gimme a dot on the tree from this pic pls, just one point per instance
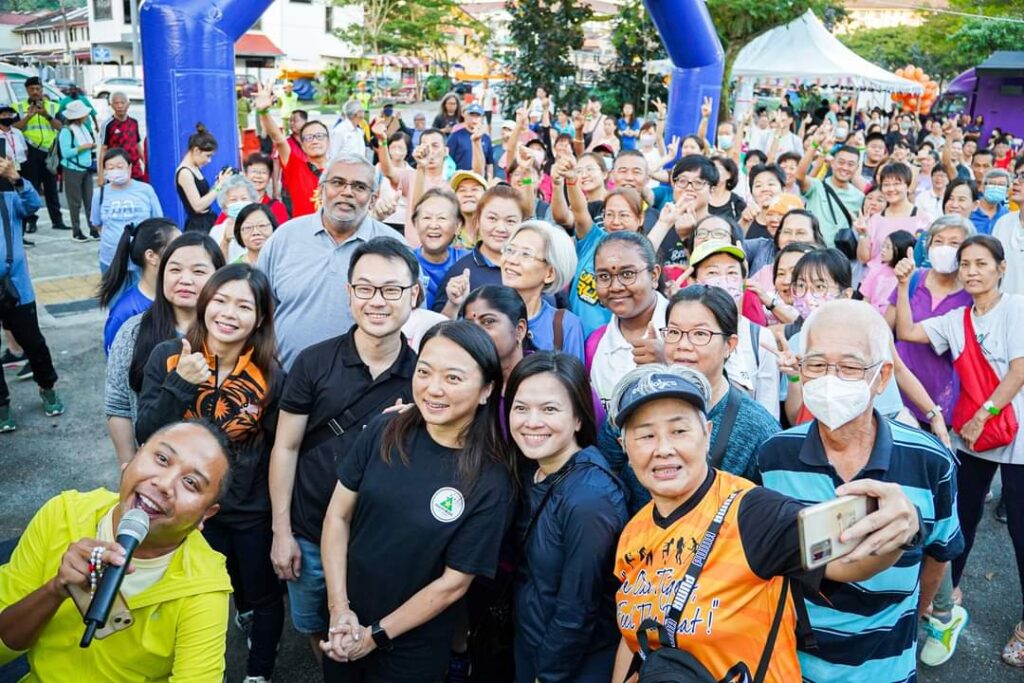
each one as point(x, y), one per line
point(636, 43)
point(740, 21)
point(404, 26)
point(545, 33)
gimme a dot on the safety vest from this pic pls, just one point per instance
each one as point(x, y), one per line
point(38, 131)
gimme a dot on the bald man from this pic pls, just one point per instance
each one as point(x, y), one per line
point(847, 362)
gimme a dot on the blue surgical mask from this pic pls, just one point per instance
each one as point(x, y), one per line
point(995, 194)
point(235, 208)
point(725, 141)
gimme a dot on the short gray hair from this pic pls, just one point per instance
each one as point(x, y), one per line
point(234, 182)
point(351, 108)
point(857, 317)
point(948, 222)
point(692, 376)
point(352, 160)
point(998, 173)
point(117, 94)
point(559, 252)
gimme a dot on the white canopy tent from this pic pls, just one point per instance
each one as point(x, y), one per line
point(803, 52)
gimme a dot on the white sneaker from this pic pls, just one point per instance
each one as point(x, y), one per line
point(940, 644)
point(255, 679)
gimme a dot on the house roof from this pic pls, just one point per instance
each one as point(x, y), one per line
point(254, 44)
point(76, 17)
point(18, 18)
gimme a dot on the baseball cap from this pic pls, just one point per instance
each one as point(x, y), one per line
point(606, 146)
point(475, 109)
point(785, 203)
point(466, 175)
point(708, 249)
point(655, 384)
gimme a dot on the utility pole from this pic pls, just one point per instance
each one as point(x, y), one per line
point(68, 57)
point(136, 50)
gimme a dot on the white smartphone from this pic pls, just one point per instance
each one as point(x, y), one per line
point(821, 525)
point(120, 616)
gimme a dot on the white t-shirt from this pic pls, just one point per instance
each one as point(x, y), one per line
point(1010, 232)
point(234, 248)
point(758, 374)
point(613, 357)
point(1000, 343)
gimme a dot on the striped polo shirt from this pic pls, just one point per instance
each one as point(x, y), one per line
point(867, 631)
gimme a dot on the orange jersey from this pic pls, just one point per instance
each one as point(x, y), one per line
point(731, 608)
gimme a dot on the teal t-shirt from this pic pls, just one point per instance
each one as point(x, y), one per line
point(583, 289)
point(831, 218)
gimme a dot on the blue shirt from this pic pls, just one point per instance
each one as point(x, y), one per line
point(130, 303)
point(20, 204)
point(115, 207)
point(583, 288)
point(983, 223)
point(627, 141)
point(542, 331)
point(481, 272)
point(867, 631)
point(460, 149)
point(431, 274)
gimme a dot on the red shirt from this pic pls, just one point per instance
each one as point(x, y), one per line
point(125, 134)
point(277, 208)
point(302, 184)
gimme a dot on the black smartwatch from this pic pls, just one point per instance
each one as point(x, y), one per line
point(380, 637)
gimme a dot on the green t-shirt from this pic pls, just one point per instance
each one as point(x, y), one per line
point(829, 214)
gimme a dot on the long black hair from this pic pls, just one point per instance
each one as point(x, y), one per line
point(571, 374)
point(151, 234)
point(158, 323)
point(483, 438)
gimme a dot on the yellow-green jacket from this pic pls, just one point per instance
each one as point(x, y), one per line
point(180, 622)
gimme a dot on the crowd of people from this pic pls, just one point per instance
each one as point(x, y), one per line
point(543, 406)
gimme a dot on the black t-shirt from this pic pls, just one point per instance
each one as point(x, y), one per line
point(731, 209)
point(330, 381)
point(672, 251)
point(757, 230)
point(410, 522)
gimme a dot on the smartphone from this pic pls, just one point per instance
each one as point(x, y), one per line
point(3, 147)
point(821, 525)
point(120, 616)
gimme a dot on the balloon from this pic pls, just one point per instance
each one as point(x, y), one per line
point(899, 72)
point(912, 103)
point(925, 78)
point(896, 97)
point(919, 73)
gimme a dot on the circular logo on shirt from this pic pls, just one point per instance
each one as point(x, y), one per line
point(447, 504)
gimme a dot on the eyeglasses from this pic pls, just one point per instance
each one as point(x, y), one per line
point(249, 227)
point(620, 217)
point(357, 187)
point(253, 173)
point(846, 371)
point(389, 292)
point(801, 288)
point(511, 250)
point(625, 277)
point(314, 137)
point(688, 184)
point(712, 234)
point(1018, 178)
point(673, 335)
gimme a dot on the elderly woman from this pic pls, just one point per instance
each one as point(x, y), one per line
point(236, 193)
point(988, 353)
point(744, 581)
point(78, 162)
point(540, 259)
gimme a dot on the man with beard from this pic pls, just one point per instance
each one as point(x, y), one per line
point(306, 258)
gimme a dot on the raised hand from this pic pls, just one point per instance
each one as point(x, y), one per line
point(458, 288)
point(650, 348)
point(705, 108)
point(263, 98)
point(380, 129)
point(192, 367)
point(673, 146)
point(905, 268)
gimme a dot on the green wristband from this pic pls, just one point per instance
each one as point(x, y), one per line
point(262, 112)
point(793, 379)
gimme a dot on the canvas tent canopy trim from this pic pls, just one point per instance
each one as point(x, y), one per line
point(804, 52)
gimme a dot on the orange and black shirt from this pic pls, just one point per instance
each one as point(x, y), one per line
point(731, 609)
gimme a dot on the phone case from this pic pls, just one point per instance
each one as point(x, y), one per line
point(820, 526)
point(120, 616)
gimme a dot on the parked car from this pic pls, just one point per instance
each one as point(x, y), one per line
point(63, 84)
point(132, 87)
point(12, 85)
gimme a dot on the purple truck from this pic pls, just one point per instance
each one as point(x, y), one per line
point(994, 89)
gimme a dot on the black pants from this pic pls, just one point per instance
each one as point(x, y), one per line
point(45, 183)
point(973, 479)
point(23, 324)
point(256, 587)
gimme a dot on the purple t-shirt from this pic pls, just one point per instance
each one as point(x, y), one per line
point(934, 371)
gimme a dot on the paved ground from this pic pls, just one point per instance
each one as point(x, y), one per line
point(48, 455)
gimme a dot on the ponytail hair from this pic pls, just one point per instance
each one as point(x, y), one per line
point(202, 139)
point(151, 234)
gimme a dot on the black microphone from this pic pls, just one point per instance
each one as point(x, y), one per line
point(131, 531)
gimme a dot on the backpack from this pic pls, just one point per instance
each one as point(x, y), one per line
point(53, 158)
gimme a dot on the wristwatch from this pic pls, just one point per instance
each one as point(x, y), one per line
point(934, 412)
point(380, 637)
point(772, 304)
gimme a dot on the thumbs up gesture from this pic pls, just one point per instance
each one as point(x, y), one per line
point(458, 288)
point(192, 367)
point(650, 348)
point(905, 268)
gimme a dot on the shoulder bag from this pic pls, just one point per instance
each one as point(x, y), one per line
point(9, 296)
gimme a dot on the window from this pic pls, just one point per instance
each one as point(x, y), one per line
point(126, 8)
point(329, 19)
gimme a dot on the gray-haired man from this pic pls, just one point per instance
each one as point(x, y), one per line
point(347, 137)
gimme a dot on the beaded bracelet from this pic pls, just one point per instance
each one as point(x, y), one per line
point(95, 568)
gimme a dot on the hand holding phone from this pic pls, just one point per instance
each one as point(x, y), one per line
point(821, 526)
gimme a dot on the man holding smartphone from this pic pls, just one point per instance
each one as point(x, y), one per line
point(867, 630)
point(40, 125)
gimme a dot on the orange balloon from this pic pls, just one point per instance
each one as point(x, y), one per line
point(932, 87)
point(912, 102)
point(899, 72)
point(895, 97)
point(925, 78)
point(919, 73)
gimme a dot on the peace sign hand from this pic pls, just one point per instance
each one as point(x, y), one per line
point(263, 98)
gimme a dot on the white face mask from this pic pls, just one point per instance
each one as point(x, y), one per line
point(943, 258)
point(835, 402)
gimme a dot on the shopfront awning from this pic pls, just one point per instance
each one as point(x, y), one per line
point(401, 61)
point(256, 45)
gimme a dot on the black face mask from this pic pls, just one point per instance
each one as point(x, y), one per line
point(8, 122)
